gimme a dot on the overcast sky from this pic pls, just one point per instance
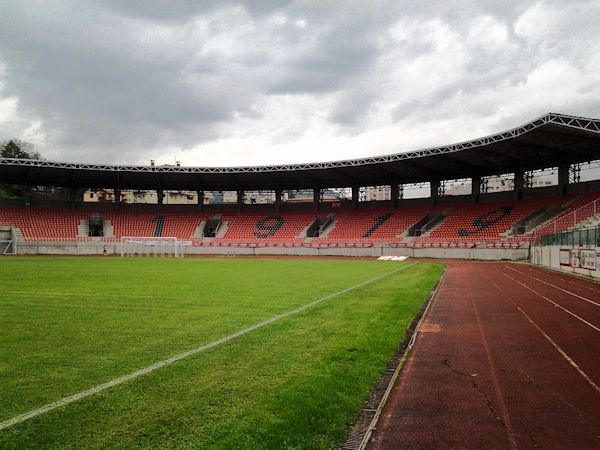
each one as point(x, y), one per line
point(252, 82)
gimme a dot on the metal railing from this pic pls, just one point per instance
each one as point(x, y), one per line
point(569, 220)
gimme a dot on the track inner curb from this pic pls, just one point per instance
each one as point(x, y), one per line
point(358, 437)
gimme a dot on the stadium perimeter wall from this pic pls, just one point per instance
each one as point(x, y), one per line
point(97, 248)
point(581, 260)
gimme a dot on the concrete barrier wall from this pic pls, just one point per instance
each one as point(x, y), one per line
point(97, 248)
point(577, 260)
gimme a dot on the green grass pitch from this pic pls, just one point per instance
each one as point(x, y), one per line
point(69, 324)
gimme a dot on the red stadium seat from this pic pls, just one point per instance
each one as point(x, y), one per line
point(464, 226)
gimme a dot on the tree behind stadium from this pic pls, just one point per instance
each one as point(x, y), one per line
point(18, 149)
point(15, 148)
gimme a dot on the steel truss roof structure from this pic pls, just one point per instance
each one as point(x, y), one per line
point(551, 140)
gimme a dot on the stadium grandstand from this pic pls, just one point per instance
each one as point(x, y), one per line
point(445, 353)
point(300, 225)
point(480, 220)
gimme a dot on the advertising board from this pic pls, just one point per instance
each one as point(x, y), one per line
point(587, 259)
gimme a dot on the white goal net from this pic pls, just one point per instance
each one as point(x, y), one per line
point(153, 246)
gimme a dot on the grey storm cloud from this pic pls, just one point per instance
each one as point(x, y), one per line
point(183, 10)
point(117, 81)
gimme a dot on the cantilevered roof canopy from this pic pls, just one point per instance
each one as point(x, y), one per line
point(549, 141)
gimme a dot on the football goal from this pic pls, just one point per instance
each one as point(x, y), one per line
point(8, 247)
point(153, 246)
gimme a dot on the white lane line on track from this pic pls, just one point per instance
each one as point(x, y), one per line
point(554, 286)
point(504, 410)
point(166, 362)
point(543, 333)
point(566, 277)
point(551, 301)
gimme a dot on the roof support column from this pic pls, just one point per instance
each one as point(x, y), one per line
point(27, 195)
point(475, 188)
point(277, 200)
point(160, 195)
point(394, 194)
point(316, 198)
point(240, 200)
point(435, 191)
point(519, 184)
point(563, 179)
point(73, 200)
point(355, 192)
point(200, 195)
point(117, 194)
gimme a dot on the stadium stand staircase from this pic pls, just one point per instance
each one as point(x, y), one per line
point(545, 215)
point(222, 229)
point(326, 229)
point(108, 228)
point(426, 224)
point(592, 222)
point(372, 225)
point(83, 229)
point(199, 230)
point(535, 219)
point(479, 225)
point(320, 227)
point(265, 228)
point(210, 227)
point(580, 211)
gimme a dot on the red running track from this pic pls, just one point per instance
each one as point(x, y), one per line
point(508, 356)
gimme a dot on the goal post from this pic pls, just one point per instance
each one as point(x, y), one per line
point(8, 247)
point(153, 246)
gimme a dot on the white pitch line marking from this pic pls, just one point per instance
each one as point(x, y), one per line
point(166, 362)
point(557, 287)
point(553, 302)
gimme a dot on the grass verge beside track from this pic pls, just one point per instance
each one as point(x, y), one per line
point(69, 324)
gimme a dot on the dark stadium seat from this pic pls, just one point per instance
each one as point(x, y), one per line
point(373, 225)
point(263, 227)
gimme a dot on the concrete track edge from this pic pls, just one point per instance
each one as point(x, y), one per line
point(358, 437)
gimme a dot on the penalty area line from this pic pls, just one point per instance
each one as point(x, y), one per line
point(173, 359)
